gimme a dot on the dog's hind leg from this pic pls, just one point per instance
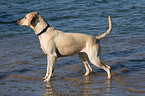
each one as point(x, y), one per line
point(84, 59)
point(94, 58)
point(97, 62)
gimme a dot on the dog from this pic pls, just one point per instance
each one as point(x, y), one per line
point(56, 44)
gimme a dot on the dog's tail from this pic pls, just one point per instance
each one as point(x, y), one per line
point(108, 31)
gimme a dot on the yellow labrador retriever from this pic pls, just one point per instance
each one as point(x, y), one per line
point(56, 44)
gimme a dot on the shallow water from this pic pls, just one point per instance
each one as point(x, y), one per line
point(23, 64)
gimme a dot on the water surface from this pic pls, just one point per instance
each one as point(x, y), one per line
point(23, 64)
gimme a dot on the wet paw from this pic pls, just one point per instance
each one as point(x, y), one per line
point(45, 77)
point(109, 77)
point(87, 73)
point(47, 80)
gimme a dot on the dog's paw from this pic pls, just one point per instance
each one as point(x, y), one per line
point(45, 77)
point(47, 80)
point(109, 78)
point(88, 72)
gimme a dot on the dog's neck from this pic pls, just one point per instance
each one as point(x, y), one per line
point(43, 31)
point(40, 26)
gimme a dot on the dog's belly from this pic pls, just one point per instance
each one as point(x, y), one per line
point(69, 46)
point(68, 51)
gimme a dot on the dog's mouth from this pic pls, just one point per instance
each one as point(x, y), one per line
point(21, 24)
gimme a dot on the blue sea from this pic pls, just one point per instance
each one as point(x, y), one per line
point(23, 63)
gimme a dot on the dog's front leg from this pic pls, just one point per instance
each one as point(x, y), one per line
point(51, 60)
point(48, 68)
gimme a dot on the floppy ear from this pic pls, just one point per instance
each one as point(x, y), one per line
point(33, 19)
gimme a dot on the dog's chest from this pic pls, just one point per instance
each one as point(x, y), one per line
point(44, 43)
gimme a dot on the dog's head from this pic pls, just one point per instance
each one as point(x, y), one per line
point(30, 19)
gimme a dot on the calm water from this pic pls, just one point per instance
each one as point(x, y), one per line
point(23, 64)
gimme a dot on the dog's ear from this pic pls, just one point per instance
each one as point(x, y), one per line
point(33, 19)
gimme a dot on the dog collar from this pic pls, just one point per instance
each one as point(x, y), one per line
point(44, 30)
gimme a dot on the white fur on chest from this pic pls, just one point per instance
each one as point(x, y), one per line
point(44, 43)
point(47, 41)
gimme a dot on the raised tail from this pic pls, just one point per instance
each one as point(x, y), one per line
point(108, 31)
